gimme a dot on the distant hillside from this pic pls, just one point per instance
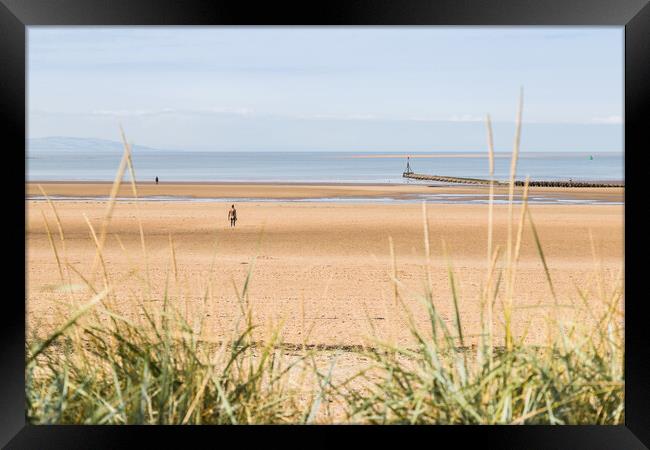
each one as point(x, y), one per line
point(73, 144)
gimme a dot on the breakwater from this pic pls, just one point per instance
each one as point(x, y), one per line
point(540, 183)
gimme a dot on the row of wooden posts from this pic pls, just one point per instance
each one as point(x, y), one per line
point(540, 183)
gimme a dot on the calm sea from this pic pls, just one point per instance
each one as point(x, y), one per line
point(312, 166)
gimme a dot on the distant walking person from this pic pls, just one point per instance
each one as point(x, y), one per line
point(232, 216)
point(156, 180)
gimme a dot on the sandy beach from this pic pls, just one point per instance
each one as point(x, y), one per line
point(322, 268)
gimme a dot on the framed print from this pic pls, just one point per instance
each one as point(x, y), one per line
point(360, 213)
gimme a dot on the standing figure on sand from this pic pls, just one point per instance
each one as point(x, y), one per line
point(232, 216)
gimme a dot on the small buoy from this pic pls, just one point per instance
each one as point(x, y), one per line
point(591, 157)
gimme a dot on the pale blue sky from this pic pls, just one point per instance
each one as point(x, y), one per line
point(318, 88)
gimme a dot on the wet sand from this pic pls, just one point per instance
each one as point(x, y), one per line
point(309, 191)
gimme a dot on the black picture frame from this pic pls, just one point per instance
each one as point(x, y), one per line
point(634, 15)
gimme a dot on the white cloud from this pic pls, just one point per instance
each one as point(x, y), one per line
point(243, 111)
point(614, 119)
point(130, 113)
point(360, 116)
point(158, 112)
point(466, 118)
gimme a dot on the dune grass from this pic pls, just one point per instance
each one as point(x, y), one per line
point(99, 367)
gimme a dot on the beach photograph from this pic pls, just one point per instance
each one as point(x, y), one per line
point(324, 225)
